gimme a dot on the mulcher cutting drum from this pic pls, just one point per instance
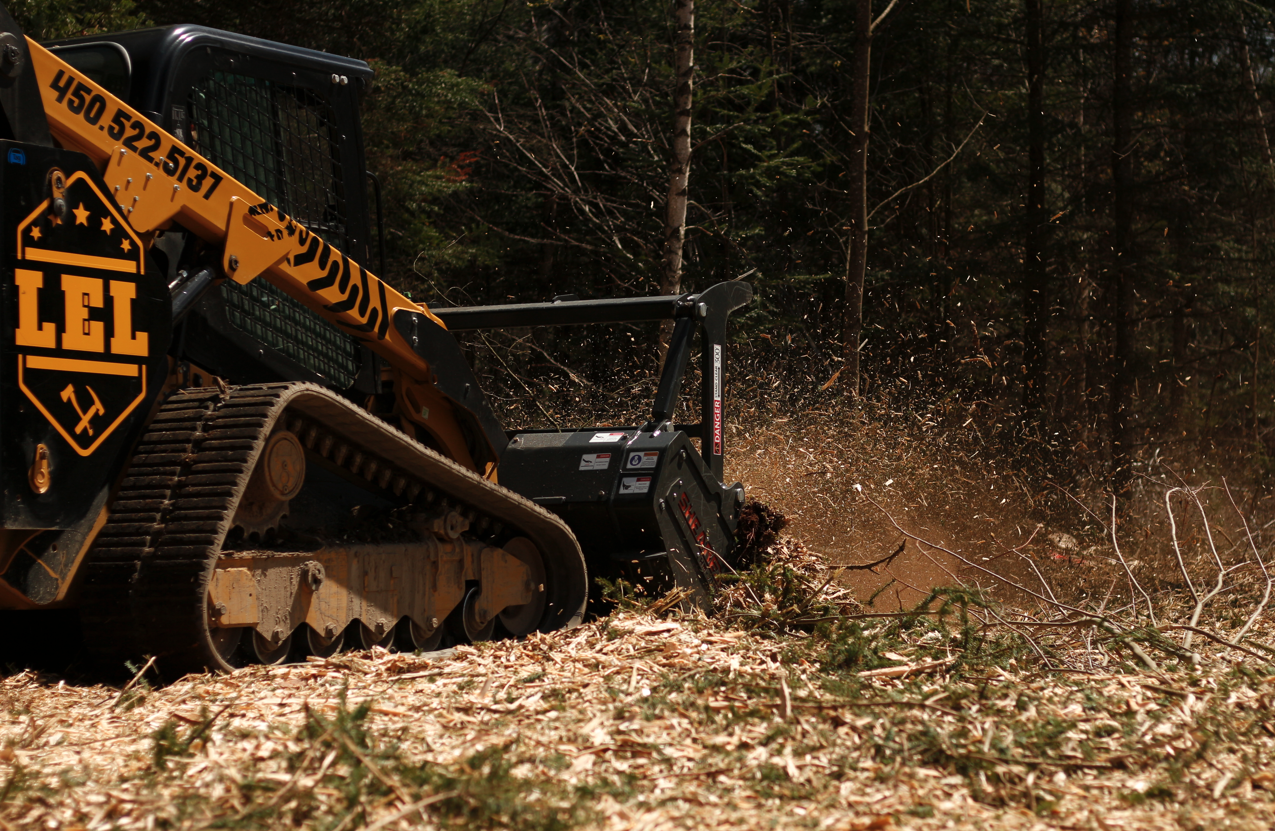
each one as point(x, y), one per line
point(642, 502)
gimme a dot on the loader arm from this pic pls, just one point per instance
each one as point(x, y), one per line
point(158, 180)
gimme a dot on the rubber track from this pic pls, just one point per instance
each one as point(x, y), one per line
point(146, 577)
point(151, 561)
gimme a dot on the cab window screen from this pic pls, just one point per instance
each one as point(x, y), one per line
point(106, 64)
point(279, 141)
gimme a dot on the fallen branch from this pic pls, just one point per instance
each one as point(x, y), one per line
point(411, 809)
point(904, 670)
point(1133, 582)
point(1266, 596)
point(886, 560)
point(137, 677)
point(1218, 638)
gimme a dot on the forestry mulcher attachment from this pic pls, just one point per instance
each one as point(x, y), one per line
point(224, 440)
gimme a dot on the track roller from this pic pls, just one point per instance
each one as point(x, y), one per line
point(225, 644)
point(409, 637)
point(367, 637)
point(268, 652)
point(323, 647)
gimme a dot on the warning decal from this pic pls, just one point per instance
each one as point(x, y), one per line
point(717, 399)
point(595, 461)
point(635, 484)
point(603, 438)
point(642, 459)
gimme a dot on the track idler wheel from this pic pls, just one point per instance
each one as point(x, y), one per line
point(465, 622)
point(276, 479)
point(525, 619)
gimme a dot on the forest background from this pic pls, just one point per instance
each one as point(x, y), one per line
point(1070, 230)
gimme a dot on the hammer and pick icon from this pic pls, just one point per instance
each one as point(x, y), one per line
point(86, 416)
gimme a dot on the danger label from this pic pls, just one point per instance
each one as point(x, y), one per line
point(717, 399)
point(595, 461)
point(635, 484)
point(606, 438)
point(642, 459)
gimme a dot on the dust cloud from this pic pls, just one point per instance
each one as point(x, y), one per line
point(825, 471)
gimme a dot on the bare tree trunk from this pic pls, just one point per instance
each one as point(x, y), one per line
point(947, 281)
point(857, 250)
point(1250, 85)
point(1036, 298)
point(1090, 364)
point(679, 168)
point(1264, 142)
point(1120, 403)
point(680, 161)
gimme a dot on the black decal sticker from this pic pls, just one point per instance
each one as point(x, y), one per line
point(343, 285)
point(327, 280)
point(307, 256)
point(346, 304)
point(353, 327)
point(384, 329)
point(135, 136)
point(367, 295)
point(152, 144)
point(62, 88)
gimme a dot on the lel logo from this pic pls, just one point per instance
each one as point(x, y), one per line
point(81, 357)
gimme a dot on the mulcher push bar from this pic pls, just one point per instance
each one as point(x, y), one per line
point(708, 309)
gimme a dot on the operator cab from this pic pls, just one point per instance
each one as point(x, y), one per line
point(284, 121)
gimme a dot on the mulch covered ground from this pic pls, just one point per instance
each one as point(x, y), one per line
point(672, 721)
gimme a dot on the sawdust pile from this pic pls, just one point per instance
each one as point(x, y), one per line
point(637, 721)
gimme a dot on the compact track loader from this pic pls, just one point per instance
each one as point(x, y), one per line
point(224, 440)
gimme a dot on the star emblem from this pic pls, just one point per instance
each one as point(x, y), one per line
point(35, 233)
point(107, 225)
point(126, 245)
point(81, 215)
point(54, 219)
